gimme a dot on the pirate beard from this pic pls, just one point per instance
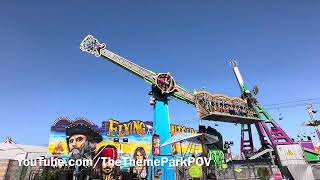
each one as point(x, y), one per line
point(75, 153)
point(108, 170)
point(84, 152)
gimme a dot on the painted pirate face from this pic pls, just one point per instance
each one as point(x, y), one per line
point(107, 167)
point(77, 142)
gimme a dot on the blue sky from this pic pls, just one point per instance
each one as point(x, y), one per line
point(44, 74)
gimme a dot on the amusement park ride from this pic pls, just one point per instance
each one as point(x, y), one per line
point(268, 126)
point(216, 107)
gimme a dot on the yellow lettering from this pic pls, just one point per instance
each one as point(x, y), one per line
point(126, 128)
point(172, 129)
point(120, 130)
point(139, 127)
point(112, 128)
point(183, 128)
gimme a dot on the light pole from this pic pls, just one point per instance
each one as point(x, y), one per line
point(227, 146)
point(117, 140)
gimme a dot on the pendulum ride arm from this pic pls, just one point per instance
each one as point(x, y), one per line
point(246, 146)
point(93, 46)
point(276, 135)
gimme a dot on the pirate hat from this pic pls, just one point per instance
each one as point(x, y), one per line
point(108, 151)
point(79, 128)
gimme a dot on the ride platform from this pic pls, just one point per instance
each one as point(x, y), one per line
point(219, 107)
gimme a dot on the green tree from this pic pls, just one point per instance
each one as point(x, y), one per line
point(46, 174)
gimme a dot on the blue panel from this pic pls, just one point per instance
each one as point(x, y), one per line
point(161, 125)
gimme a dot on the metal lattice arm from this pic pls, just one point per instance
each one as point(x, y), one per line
point(184, 95)
point(139, 71)
point(246, 93)
point(93, 46)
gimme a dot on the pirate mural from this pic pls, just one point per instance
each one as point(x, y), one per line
point(82, 139)
point(58, 149)
point(82, 142)
point(139, 171)
point(105, 169)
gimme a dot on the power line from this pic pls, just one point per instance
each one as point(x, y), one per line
point(291, 106)
point(290, 102)
point(179, 122)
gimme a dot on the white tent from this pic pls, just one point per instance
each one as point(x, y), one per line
point(21, 151)
point(200, 138)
